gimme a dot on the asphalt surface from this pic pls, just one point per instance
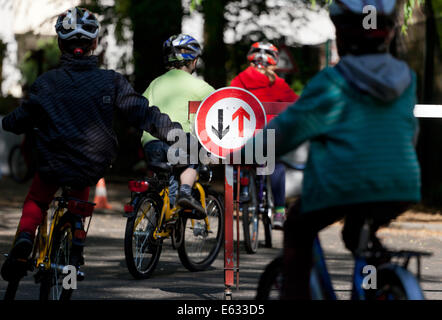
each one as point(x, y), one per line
point(107, 276)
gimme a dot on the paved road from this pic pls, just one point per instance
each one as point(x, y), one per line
point(108, 278)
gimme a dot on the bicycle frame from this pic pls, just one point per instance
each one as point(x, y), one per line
point(45, 240)
point(43, 243)
point(320, 281)
point(168, 213)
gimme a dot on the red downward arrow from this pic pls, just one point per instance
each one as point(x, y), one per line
point(241, 114)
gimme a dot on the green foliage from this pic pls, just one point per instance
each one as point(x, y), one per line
point(437, 9)
point(297, 85)
point(40, 60)
point(409, 7)
point(194, 4)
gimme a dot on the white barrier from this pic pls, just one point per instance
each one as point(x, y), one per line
point(428, 111)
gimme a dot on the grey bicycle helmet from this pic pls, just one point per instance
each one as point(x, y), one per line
point(77, 23)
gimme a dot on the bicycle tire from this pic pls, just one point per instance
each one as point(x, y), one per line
point(147, 250)
point(266, 218)
point(391, 285)
point(250, 218)
point(51, 286)
point(267, 231)
point(19, 169)
point(191, 252)
point(270, 281)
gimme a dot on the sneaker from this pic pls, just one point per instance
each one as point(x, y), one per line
point(278, 221)
point(16, 265)
point(186, 201)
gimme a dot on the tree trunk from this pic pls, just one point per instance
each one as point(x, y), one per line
point(153, 22)
point(215, 51)
point(430, 140)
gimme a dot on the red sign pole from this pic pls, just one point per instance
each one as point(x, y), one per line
point(228, 233)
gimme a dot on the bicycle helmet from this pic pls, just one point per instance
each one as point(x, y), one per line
point(181, 48)
point(263, 54)
point(383, 7)
point(353, 37)
point(77, 23)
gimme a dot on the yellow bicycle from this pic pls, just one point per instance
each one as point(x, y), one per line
point(151, 220)
point(52, 254)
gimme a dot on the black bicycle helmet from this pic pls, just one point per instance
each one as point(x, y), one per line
point(352, 33)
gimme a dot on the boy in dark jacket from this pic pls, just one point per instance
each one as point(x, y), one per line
point(70, 111)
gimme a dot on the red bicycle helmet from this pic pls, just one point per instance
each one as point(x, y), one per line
point(263, 53)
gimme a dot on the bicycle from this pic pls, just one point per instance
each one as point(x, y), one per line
point(151, 220)
point(394, 280)
point(52, 252)
point(256, 200)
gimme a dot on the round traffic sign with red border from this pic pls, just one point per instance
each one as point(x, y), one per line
point(227, 118)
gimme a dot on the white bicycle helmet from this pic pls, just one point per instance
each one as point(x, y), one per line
point(77, 23)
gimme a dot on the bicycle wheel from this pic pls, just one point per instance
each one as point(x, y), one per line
point(250, 218)
point(270, 282)
point(18, 167)
point(53, 286)
point(397, 283)
point(141, 250)
point(201, 245)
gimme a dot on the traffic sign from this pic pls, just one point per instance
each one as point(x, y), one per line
point(227, 118)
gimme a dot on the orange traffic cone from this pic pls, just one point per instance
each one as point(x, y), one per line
point(101, 196)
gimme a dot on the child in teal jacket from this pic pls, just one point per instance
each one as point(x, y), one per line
point(358, 117)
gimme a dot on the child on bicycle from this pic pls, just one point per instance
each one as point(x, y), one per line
point(70, 112)
point(261, 79)
point(172, 91)
point(359, 119)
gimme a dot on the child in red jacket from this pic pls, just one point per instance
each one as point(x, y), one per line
point(261, 80)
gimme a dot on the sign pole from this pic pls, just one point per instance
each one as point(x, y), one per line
point(228, 232)
point(238, 169)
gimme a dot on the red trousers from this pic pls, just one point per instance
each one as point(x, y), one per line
point(37, 202)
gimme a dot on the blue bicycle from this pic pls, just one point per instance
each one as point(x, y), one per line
point(393, 279)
